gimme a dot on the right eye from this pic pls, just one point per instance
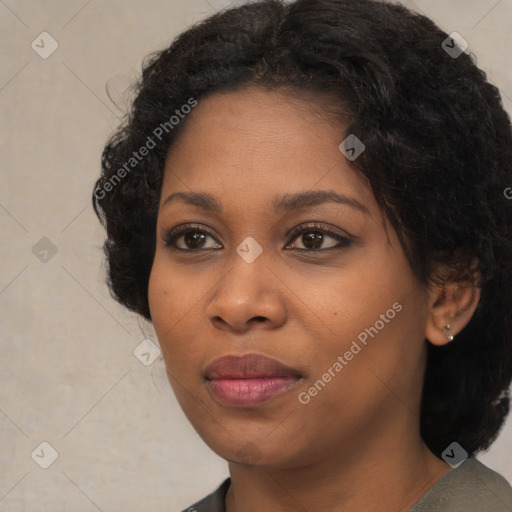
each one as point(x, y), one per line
point(193, 239)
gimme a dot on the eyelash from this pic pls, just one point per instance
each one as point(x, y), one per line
point(171, 236)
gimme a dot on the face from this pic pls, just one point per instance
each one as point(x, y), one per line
point(319, 285)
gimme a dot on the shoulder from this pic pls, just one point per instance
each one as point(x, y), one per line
point(214, 502)
point(472, 487)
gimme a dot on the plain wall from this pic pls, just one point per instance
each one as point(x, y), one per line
point(68, 373)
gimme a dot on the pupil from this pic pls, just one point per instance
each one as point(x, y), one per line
point(194, 239)
point(313, 240)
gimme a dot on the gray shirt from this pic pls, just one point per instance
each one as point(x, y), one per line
point(471, 487)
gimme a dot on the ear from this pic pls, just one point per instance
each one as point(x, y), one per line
point(452, 304)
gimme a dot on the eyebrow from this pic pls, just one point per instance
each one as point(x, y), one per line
point(284, 203)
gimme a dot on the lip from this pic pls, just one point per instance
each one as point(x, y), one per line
point(249, 380)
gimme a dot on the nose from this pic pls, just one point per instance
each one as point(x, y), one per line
point(249, 295)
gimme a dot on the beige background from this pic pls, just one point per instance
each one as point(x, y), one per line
point(68, 373)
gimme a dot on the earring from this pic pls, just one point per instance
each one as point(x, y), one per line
point(448, 328)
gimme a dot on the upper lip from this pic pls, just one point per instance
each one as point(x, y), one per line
point(248, 366)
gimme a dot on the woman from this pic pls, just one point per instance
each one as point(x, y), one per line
point(307, 201)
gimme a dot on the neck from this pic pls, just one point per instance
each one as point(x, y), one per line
point(381, 469)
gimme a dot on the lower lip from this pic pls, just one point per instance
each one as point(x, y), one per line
point(250, 392)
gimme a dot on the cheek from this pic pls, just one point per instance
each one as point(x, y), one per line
point(176, 303)
point(171, 294)
point(168, 304)
point(365, 292)
point(375, 321)
point(159, 296)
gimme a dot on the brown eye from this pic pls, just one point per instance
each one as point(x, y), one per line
point(313, 238)
point(193, 239)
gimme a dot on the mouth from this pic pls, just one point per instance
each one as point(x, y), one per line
point(249, 380)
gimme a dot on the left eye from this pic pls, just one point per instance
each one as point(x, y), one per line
point(313, 237)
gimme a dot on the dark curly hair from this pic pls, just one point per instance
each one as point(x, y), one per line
point(438, 158)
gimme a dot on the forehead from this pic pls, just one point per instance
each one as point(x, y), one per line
point(254, 143)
